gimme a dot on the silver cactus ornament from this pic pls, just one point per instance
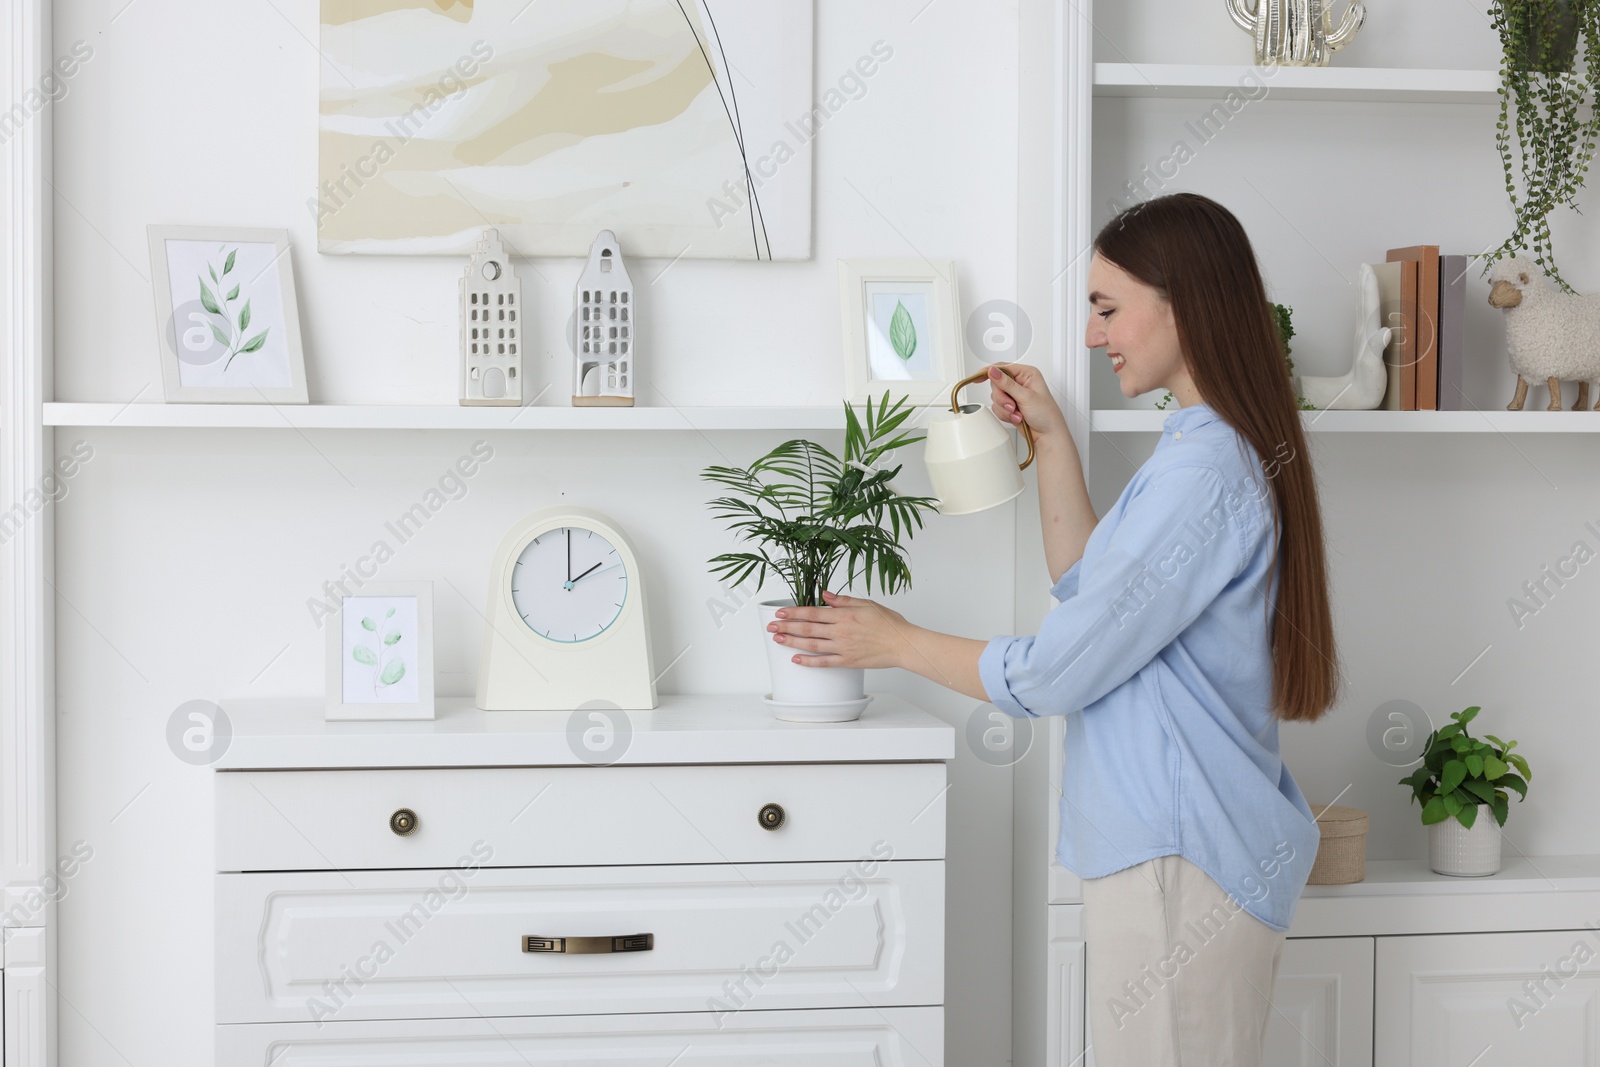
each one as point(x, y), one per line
point(1295, 33)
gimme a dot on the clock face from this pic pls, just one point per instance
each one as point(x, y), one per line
point(569, 584)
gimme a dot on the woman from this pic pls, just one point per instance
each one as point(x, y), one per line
point(1193, 617)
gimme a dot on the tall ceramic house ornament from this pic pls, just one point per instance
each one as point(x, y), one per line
point(604, 329)
point(491, 327)
point(1296, 33)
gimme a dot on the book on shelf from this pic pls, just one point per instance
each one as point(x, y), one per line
point(1421, 315)
point(1452, 330)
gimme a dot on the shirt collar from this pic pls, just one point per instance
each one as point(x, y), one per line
point(1189, 418)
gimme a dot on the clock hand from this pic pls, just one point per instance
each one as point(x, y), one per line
point(586, 573)
point(569, 555)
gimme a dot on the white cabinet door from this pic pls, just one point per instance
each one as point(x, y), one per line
point(1489, 1000)
point(1065, 988)
point(1322, 1004)
point(855, 1037)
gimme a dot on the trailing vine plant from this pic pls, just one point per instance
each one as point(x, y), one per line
point(1556, 121)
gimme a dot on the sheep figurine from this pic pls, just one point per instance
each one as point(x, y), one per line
point(1549, 334)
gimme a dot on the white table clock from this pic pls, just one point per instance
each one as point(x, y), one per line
point(565, 623)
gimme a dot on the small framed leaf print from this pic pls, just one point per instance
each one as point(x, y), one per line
point(380, 653)
point(902, 329)
point(227, 322)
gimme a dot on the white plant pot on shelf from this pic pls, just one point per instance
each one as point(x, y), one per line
point(1453, 849)
point(809, 694)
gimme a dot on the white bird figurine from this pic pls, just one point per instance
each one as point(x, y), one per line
point(1363, 387)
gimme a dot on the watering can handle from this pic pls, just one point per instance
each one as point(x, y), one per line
point(955, 406)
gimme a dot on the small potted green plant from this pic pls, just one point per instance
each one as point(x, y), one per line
point(809, 513)
point(1461, 775)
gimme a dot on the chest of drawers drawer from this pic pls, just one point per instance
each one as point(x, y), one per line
point(842, 1037)
point(560, 816)
point(324, 946)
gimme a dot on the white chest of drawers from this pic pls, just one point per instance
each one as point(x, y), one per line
point(732, 889)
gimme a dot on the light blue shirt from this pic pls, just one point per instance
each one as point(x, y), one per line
point(1159, 656)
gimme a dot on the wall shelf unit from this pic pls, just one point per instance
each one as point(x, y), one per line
point(1180, 80)
point(439, 417)
point(1131, 420)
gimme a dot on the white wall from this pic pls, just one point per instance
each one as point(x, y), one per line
point(185, 558)
point(1429, 535)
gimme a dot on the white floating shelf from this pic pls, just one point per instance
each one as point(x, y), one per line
point(440, 417)
point(1298, 83)
point(1118, 420)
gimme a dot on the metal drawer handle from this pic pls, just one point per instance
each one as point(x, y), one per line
point(575, 945)
point(770, 816)
point(403, 822)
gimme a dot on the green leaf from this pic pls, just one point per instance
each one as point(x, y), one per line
point(392, 672)
point(391, 637)
point(389, 614)
point(255, 342)
point(212, 270)
point(208, 301)
point(1493, 767)
point(1474, 764)
point(244, 315)
point(1452, 803)
point(1454, 772)
point(1434, 811)
point(902, 334)
point(368, 625)
point(234, 295)
point(226, 267)
point(1467, 815)
point(216, 331)
point(363, 654)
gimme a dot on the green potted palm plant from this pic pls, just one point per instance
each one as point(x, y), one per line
point(809, 513)
point(1543, 100)
point(1462, 787)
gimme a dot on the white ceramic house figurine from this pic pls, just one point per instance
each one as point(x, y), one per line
point(491, 327)
point(605, 328)
point(1362, 388)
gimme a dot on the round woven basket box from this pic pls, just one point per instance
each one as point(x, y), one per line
point(1342, 852)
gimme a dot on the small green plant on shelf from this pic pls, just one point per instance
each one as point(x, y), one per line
point(1460, 772)
point(1555, 131)
point(1285, 331)
point(816, 511)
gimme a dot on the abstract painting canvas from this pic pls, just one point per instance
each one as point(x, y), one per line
point(684, 126)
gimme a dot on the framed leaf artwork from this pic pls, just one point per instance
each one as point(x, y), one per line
point(227, 323)
point(380, 653)
point(902, 328)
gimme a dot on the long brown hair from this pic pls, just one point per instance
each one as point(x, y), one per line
point(1193, 251)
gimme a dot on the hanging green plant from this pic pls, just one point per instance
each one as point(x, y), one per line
point(1555, 119)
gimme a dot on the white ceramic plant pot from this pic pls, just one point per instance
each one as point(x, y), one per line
point(809, 694)
point(1454, 849)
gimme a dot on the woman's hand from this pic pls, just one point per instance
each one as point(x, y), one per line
point(849, 632)
point(1018, 392)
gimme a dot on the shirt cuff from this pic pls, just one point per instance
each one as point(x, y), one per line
point(992, 672)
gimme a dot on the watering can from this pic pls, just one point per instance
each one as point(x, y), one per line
point(969, 455)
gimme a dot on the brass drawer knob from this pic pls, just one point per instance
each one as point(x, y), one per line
point(770, 816)
point(403, 822)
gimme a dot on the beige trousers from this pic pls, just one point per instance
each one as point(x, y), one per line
point(1179, 974)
